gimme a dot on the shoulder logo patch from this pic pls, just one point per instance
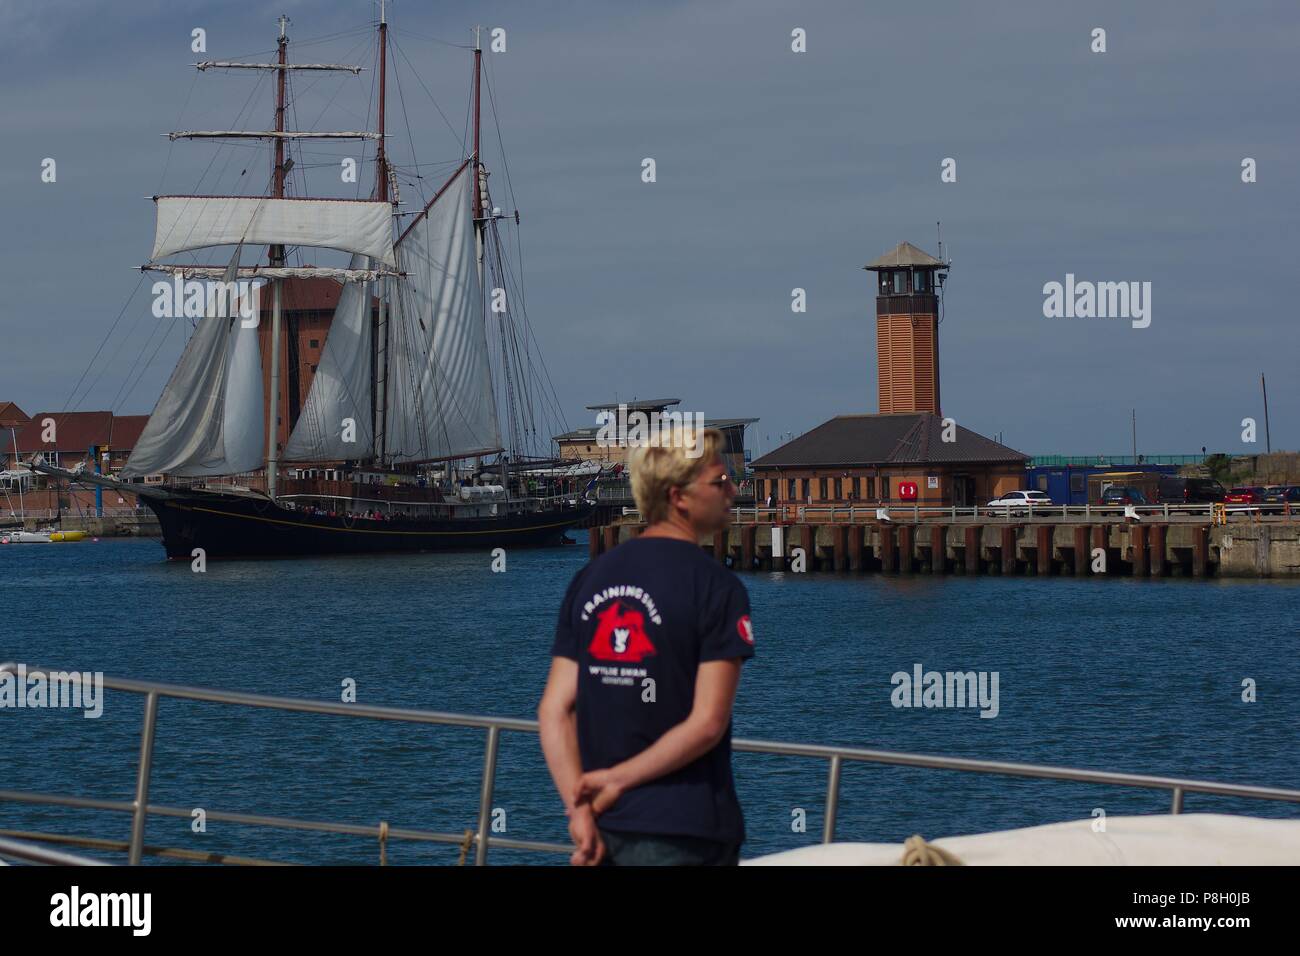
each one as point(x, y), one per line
point(746, 629)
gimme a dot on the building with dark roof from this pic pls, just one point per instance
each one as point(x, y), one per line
point(908, 453)
point(898, 458)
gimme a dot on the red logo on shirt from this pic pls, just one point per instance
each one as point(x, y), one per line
point(620, 636)
point(746, 629)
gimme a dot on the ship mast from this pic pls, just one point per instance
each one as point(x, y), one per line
point(381, 191)
point(482, 213)
point(277, 259)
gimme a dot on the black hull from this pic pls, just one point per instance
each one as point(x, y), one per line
point(233, 526)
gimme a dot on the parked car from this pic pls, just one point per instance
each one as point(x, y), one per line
point(1122, 495)
point(1276, 499)
point(1189, 491)
point(1245, 495)
point(1020, 502)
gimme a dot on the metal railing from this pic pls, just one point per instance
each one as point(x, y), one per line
point(31, 853)
point(140, 808)
point(791, 513)
point(1040, 461)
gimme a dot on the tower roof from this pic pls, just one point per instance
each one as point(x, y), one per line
point(903, 254)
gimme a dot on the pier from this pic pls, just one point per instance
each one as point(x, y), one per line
point(1075, 541)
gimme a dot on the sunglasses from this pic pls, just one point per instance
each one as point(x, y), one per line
point(719, 482)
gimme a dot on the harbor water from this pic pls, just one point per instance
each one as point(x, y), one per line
point(1112, 674)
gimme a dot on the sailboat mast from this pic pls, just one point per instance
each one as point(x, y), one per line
point(481, 212)
point(277, 259)
point(13, 433)
point(381, 190)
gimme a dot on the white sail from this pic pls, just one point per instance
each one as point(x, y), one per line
point(440, 402)
point(196, 222)
point(339, 405)
point(208, 420)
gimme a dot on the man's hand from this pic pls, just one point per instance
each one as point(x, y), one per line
point(590, 848)
point(599, 788)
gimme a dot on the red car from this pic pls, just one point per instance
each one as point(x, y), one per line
point(1244, 496)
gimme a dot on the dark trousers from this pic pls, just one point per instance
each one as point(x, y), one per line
point(655, 849)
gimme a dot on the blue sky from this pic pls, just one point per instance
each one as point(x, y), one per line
point(775, 170)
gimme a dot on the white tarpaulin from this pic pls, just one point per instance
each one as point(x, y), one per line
point(1185, 839)
point(339, 404)
point(364, 227)
point(440, 398)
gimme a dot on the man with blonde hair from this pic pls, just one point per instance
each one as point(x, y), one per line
point(636, 714)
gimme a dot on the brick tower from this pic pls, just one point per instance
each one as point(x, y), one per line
point(907, 329)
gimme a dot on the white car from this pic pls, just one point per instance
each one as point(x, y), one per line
point(1020, 502)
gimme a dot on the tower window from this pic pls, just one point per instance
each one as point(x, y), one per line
point(920, 280)
point(900, 282)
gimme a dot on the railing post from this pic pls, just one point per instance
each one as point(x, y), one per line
point(832, 799)
point(485, 794)
point(141, 811)
point(1178, 800)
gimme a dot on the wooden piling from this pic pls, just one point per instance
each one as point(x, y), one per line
point(1044, 543)
point(1082, 553)
point(939, 549)
point(906, 536)
point(720, 546)
point(594, 536)
point(974, 538)
point(1137, 536)
point(1200, 552)
point(808, 541)
point(611, 538)
point(748, 535)
point(1008, 549)
point(888, 559)
point(1101, 539)
point(1158, 532)
point(840, 547)
point(856, 535)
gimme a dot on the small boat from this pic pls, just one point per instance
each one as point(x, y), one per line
point(44, 536)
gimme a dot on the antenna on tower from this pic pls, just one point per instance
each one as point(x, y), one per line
point(941, 274)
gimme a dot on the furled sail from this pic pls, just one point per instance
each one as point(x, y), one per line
point(440, 402)
point(271, 272)
point(208, 420)
point(339, 405)
point(360, 226)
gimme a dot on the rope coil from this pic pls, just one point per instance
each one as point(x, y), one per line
point(916, 852)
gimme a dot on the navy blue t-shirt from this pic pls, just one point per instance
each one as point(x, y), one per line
point(651, 610)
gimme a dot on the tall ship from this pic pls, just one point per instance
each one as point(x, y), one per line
point(399, 443)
